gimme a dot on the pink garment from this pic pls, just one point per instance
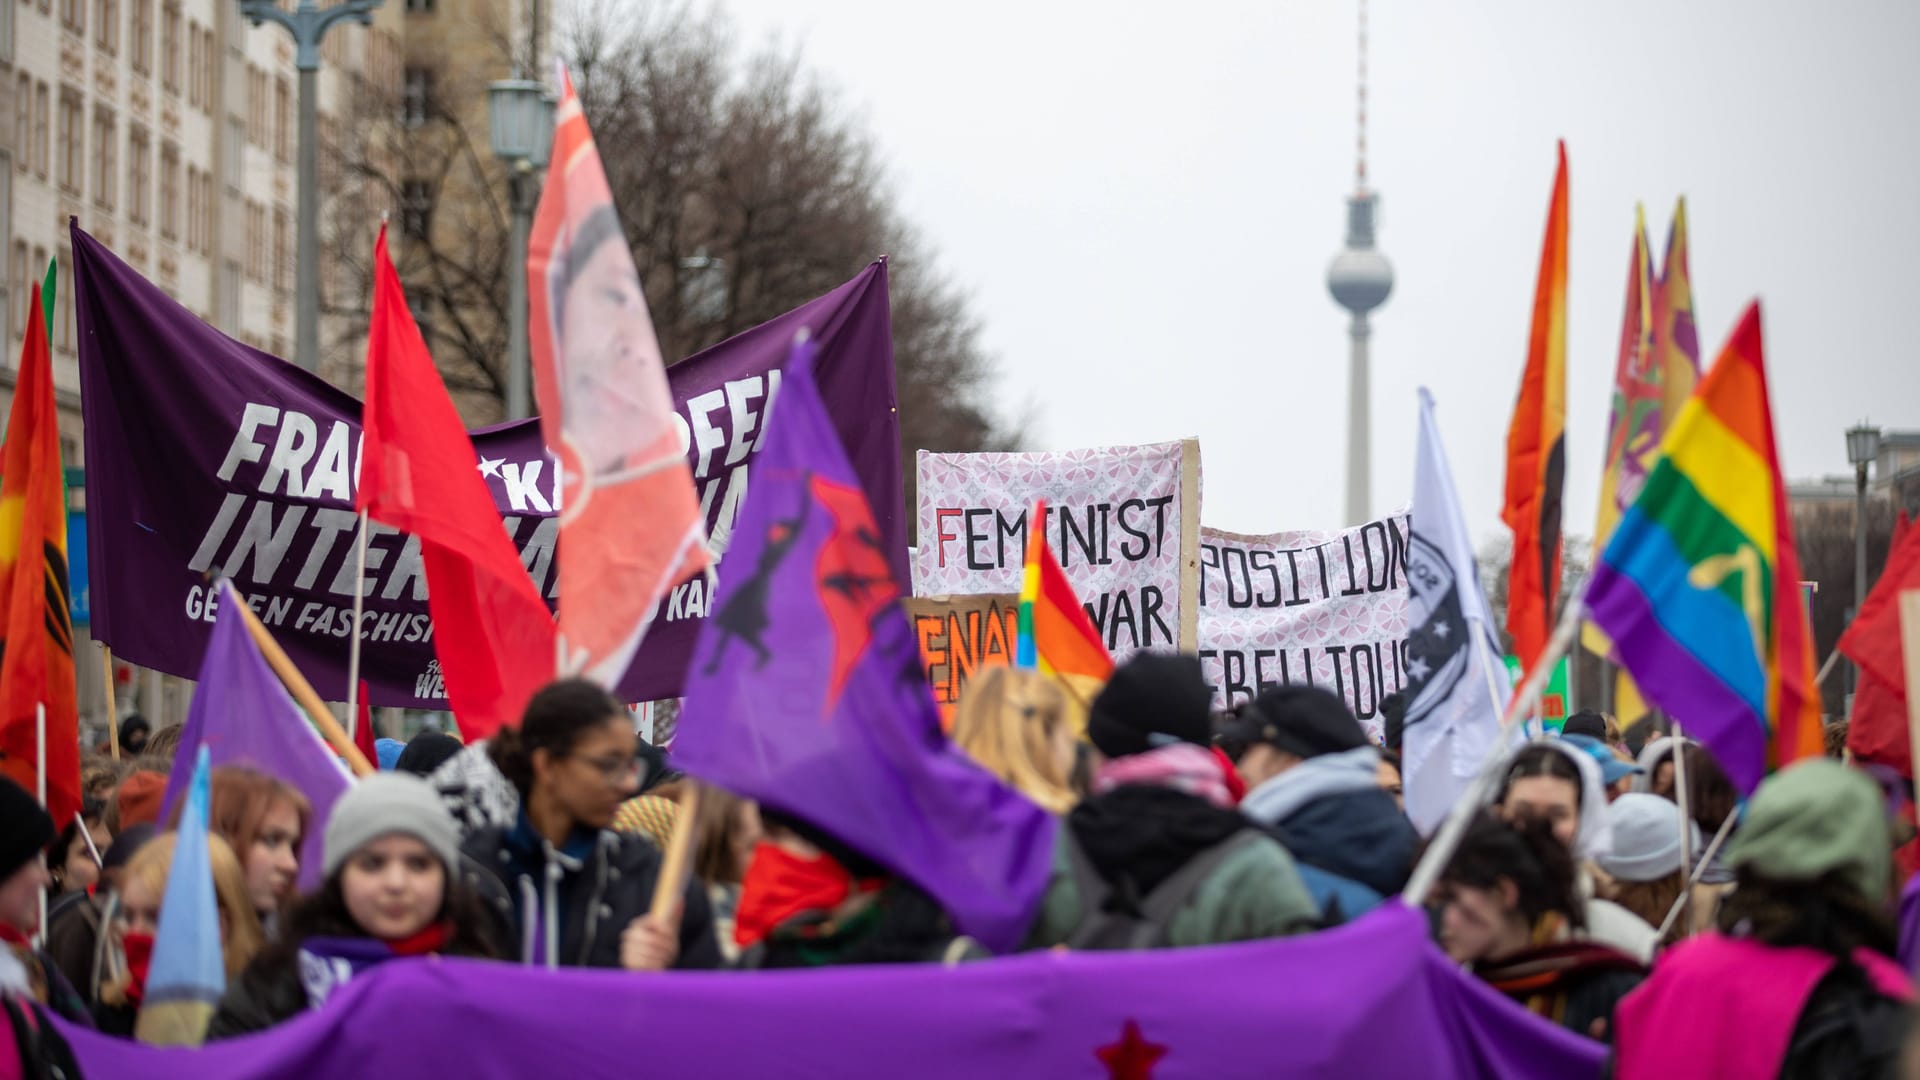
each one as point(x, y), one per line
point(1181, 766)
point(1720, 1006)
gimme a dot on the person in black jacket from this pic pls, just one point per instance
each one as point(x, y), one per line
point(566, 889)
point(392, 890)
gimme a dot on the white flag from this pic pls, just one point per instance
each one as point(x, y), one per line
point(1453, 716)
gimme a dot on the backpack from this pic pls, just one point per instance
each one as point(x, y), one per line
point(1107, 922)
point(1849, 1027)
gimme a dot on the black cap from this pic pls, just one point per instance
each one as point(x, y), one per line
point(1152, 700)
point(1304, 721)
point(25, 827)
point(426, 752)
point(127, 844)
point(1586, 722)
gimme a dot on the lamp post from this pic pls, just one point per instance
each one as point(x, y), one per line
point(521, 120)
point(1863, 446)
point(308, 23)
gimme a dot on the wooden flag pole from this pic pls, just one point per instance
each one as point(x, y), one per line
point(1681, 800)
point(353, 648)
point(678, 861)
point(113, 710)
point(297, 685)
point(1910, 656)
point(1706, 860)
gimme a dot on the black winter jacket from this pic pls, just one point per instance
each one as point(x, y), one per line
point(585, 895)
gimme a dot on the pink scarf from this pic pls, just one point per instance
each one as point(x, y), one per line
point(1182, 767)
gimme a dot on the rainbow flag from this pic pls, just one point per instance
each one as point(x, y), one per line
point(1699, 587)
point(1536, 446)
point(1056, 636)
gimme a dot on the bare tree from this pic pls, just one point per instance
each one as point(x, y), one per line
point(744, 186)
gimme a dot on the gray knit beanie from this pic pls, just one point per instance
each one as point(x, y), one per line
point(386, 804)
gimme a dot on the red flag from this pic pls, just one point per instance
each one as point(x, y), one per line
point(36, 667)
point(1877, 730)
point(631, 523)
point(418, 473)
point(363, 727)
point(1536, 446)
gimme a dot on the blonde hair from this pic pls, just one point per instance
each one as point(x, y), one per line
point(240, 933)
point(1009, 721)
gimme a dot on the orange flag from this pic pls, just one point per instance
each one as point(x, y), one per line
point(631, 526)
point(36, 666)
point(1536, 446)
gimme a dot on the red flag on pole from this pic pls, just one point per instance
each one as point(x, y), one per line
point(418, 473)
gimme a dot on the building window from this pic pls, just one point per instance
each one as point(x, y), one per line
point(193, 64)
point(416, 97)
point(63, 299)
point(41, 123)
point(6, 32)
point(106, 25)
point(141, 51)
point(230, 296)
point(169, 191)
point(208, 70)
point(139, 173)
point(23, 119)
point(282, 120)
point(72, 139)
point(256, 242)
point(20, 291)
point(206, 213)
point(73, 15)
point(236, 152)
point(416, 209)
point(193, 209)
point(106, 146)
point(282, 252)
point(256, 106)
point(170, 46)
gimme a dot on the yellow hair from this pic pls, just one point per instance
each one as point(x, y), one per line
point(1009, 721)
point(240, 933)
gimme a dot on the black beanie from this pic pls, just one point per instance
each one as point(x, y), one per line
point(1304, 721)
point(25, 828)
point(426, 752)
point(1152, 700)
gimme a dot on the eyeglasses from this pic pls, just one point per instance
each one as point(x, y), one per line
point(614, 769)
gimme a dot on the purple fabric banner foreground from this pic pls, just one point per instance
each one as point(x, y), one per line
point(203, 454)
point(1371, 999)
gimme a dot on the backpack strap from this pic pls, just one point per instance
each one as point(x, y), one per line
point(1168, 897)
point(1093, 891)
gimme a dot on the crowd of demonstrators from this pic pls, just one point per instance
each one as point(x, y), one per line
point(1179, 827)
point(566, 889)
point(1158, 854)
point(392, 889)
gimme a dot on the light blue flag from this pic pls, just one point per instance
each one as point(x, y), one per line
point(188, 974)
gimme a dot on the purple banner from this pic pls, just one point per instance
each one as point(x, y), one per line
point(1370, 999)
point(204, 456)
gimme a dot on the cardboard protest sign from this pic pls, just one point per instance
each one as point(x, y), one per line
point(1324, 608)
point(960, 636)
point(1124, 522)
point(207, 457)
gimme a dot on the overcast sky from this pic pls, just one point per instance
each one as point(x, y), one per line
point(1143, 200)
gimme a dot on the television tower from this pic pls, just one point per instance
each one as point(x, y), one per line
point(1360, 280)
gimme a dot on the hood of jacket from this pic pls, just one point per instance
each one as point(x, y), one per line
point(1331, 813)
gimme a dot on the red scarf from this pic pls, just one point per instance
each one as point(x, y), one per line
point(13, 935)
point(780, 885)
point(430, 939)
point(139, 949)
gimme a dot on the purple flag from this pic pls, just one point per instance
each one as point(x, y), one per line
point(244, 716)
point(806, 691)
point(1373, 998)
point(205, 455)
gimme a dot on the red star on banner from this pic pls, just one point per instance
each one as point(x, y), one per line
point(1133, 1057)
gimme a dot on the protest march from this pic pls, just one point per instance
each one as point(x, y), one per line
point(772, 751)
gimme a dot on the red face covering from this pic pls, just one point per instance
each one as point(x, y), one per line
point(139, 948)
point(780, 885)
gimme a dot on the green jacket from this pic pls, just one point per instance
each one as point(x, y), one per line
point(1254, 893)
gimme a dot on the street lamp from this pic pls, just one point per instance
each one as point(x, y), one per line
point(520, 113)
point(1863, 446)
point(308, 23)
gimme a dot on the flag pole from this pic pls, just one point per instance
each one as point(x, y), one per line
point(302, 691)
point(674, 864)
point(1440, 852)
point(353, 648)
point(1910, 656)
point(113, 710)
point(1693, 878)
point(40, 791)
point(1681, 801)
point(88, 837)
